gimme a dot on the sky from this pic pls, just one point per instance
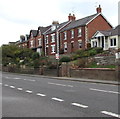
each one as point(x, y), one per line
point(18, 17)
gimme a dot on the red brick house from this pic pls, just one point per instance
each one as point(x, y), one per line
point(79, 32)
point(23, 42)
point(68, 36)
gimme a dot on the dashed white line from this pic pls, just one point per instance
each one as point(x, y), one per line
point(28, 80)
point(110, 114)
point(79, 105)
point(60, 84)
point(17, 78)
point(19, 88)
point(6, 85)
point(12, 86)
point(0, 83)
point(57, 99)
point(105, 91)
point(28, 91)
point(39, 94)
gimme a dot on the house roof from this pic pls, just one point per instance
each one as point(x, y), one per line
point(79, 22)
point(58, 27)
point(43, 29)
point(34, 32)
point(111, 32)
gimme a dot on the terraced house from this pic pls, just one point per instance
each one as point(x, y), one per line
point(68, 36)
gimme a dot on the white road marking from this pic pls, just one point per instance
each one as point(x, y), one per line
point(6, 85)
point(7, 77)
point(79, 105)
point(57, 99)
point(19, 88)
point(28, 80)
point(106, 91)
point(12, 86)
point(17, 78)
point(28, 91)
point(60, 84)
point(39, 94)
point(0, 83)
point(111, 114)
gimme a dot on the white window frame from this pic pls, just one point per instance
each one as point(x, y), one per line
point(79, 32)
point(46, 39)
point(65, 47)
point(113, 42)
point(72, 33)
point(65, 35)
point(31, 43)
point(53, 38)
point(39, 41)
point(53, 49)
point(80, 43)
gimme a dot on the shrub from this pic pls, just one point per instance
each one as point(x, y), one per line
point(65, 59)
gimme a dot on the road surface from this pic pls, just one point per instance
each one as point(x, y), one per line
point(28, 96)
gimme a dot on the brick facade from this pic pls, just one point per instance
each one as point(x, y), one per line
point(81, 29)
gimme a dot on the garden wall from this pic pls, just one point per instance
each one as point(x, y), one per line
point(90, 73)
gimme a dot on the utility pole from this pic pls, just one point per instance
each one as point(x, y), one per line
point(57, 54)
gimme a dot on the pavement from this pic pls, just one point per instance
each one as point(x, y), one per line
point(74, 79)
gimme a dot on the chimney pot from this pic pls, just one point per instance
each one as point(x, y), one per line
point(99, 9)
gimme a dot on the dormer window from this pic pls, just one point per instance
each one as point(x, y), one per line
point(39, 32)
point(31, 35)
point(31, 43)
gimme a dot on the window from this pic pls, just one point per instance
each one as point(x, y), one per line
point(47, 39)
point(72, 33)
point(79, 32)
point(113, 42)
point(39, 42)
point(53, 38)
point(72, 45)
point(53, 48)
point(65, 47)
point(80, 43)
point(31, 43)
point(65, 35)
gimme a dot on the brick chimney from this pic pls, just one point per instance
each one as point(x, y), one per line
point(99, 9)
point(71, 18)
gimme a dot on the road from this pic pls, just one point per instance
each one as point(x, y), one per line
point(28, 96)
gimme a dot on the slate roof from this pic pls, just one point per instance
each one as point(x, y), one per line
point(112, 32)
point(34, 32)
point(59, 26)
point(79, 22)
point(43, 29)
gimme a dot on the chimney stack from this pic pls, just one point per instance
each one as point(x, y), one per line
point(99, 9)
point(71, 18)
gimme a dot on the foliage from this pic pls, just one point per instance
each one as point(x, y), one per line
point(12, 54)
point(65, 59)
point(86, 53)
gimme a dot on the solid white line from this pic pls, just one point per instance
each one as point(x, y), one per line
point(111, 114)
point(104, 91)
point(39, 94)
point(19, 88)
point(6, 85)
point(12, 86)
point(79, 105)
point(57, 99)
point(28, 91)
point(60, 84)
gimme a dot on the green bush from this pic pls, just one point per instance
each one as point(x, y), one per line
point(65, 59)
